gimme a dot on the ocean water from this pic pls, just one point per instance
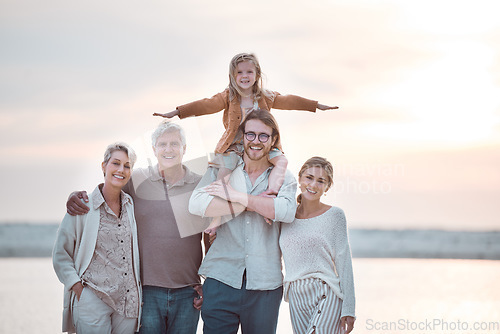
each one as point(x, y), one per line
point(392, 296)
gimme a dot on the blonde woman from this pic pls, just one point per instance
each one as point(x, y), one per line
point(96, 255)
point(319, 283)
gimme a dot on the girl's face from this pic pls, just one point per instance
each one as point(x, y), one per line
point(246, 75)
point(117, 170)
point(313, 183)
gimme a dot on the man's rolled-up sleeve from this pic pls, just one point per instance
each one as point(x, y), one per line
point(285, 203)
point(200, 199)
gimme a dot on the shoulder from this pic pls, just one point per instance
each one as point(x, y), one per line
point(142, 172)
point(94, 197)
point(290, 178)
point(224, 95)
point(139, 175)
point(289, 174)
point(336, 212)
point(269, 95)
point(127, 197)
point(190, 176)
point(138, 170)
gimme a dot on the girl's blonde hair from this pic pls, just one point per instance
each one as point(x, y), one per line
point(234, 89)
point(318, 162)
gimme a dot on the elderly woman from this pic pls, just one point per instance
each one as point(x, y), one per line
point(96, 255)
point(319, 283)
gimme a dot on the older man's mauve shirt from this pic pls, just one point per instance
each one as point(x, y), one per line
point(169, 236)
point(247, 242)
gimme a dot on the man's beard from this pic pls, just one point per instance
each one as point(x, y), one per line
point(256, 155)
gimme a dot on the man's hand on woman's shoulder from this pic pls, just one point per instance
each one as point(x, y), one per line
point(75, 206)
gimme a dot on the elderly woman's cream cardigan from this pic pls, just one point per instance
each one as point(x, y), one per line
point(74, 248)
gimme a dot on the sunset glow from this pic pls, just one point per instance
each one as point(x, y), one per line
point(417, 84)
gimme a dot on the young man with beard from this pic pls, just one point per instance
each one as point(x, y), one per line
point(242, 270)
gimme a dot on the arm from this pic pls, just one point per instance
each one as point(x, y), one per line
point(207, 241)
point(294, 102)
point(170, 114)
point(281, 208)
point(277, 176)
point(343, 263)
point(285, 204)
point(217, 199)
point(225, 193)
point(207, 106)
point(221, 207)
point(63, 254)
point(203, 204)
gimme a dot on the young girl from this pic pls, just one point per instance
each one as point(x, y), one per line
point(243, 94)
point(319, 283)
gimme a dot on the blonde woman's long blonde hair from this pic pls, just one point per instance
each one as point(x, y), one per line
point(235, 91)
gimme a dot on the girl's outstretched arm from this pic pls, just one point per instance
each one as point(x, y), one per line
point(325, 107)
point(168, 114)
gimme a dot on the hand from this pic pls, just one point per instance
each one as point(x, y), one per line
point(212, 237)
point(168, 114)
point(347, 324)
point(269, 193)
point(77, 289)
point(269, 221)
point(211, 230)
point(74, 205)
point(325, 107)
point(198, 301)
point(222, 190)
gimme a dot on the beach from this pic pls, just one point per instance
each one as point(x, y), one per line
point(407, 281)
point(392, 296)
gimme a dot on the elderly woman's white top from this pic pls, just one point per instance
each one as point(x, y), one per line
point(318, 247)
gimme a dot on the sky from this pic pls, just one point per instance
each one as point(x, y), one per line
point(415, 142)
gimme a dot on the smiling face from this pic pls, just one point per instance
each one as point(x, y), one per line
point(169, 150)
point(314, 182)
point(255, 149)
point(245, 75)
point(117, 170)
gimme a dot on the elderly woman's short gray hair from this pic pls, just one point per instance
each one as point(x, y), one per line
point(120, 146)
point(167, 127)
